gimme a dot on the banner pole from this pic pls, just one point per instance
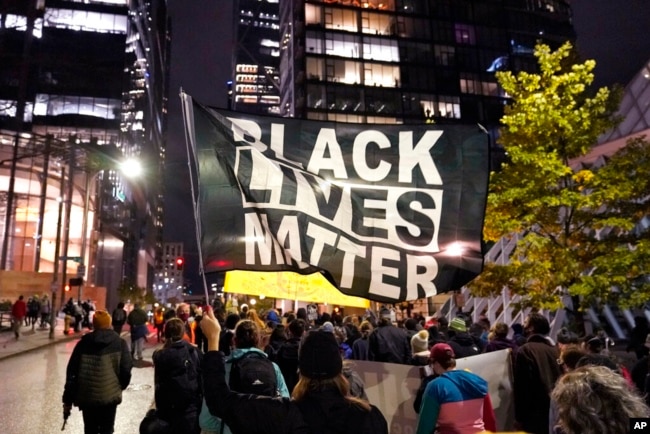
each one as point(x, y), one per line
point(190, 146)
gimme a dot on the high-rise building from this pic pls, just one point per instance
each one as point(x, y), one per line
point(409, 61)
point(169, 282)
point(256, 86)
point(144, 130)
point(81, 87)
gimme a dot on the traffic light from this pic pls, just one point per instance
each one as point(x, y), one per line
point(67, 288)
point(179, 263)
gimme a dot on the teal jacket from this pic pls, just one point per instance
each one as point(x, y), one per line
point(211, 423)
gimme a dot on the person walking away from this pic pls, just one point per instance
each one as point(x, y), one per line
point(46, 309)
point(535, 373)
point(226, 340)
point(320, 403)
point(68, 310)
point(137, 320)
point(77, 313)
point(18, 314)
point(388, 343)
point(360, 346)
point(341, 336)
point(177, 379)
point(199, 339)
point(288, 353)
point(455, 402)
point(98, 371)
point(501, 340)
point(28, 303)
point(119, 318)
point(92, 308)
point(277, 337)
point(33, 309)
point(159, 323)
point(248, 370)
point(463, 344)
point(420, 344)
point(85, 307)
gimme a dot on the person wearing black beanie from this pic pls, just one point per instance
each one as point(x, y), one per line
point(321, 401)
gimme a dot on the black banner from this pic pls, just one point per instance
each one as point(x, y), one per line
point(385, 212)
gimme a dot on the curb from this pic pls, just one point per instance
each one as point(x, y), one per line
point(47, 343)
point(61, 338)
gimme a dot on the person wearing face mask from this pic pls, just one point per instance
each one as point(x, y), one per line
point(183, 313)
point(535, 373)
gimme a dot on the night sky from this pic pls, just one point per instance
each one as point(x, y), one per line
point(614, 33)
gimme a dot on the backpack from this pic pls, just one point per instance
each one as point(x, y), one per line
point(178, 379)
point(253, 373)
point(287, 360)
point(119, 316)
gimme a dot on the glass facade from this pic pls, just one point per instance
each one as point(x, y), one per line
point(169, 278)
point(256, 84)
point(407, 61)
point(70, 109)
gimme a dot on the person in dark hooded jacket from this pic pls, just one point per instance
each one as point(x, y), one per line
point(98, 371)
point(321, 401)
point(388, 343)
point(287, 358)
point(460, 341)
point(535, 372)
point(177, 379)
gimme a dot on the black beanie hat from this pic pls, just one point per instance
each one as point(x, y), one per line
point(320, 357)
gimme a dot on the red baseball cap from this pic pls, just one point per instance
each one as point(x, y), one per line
point(441, 353)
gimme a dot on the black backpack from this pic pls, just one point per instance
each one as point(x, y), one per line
point(119, 316)
point(253, 373)
point(287, 360)
point(178, 378)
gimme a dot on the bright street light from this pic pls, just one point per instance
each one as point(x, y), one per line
point(131, 168)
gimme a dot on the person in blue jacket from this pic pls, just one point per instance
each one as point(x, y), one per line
point(456, 401)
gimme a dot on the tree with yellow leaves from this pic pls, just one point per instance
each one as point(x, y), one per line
point(577, 226)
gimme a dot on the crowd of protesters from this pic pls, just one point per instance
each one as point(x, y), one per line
point(303, 364)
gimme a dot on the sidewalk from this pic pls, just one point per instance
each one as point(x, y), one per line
point(33, 340)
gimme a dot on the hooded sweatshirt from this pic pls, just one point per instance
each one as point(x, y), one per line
point(456, 402)
point(98, 370)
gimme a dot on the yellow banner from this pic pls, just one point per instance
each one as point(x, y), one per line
point(289, 286)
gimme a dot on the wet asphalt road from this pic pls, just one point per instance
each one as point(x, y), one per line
point(31, 386)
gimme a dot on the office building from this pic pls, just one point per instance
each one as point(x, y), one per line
point(408, 61)
point(80, 87)
point(169, 282)
point(256, 85)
